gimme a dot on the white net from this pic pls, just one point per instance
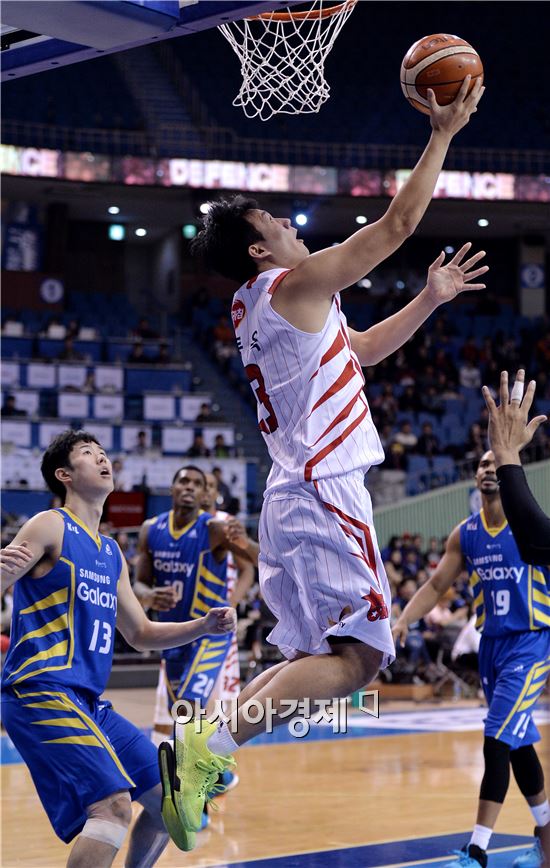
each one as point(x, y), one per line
point(282, 58)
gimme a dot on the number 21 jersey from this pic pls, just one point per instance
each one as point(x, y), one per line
point(312, 409)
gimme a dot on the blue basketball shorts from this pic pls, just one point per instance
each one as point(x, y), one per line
point(192, 673)
point(78, 751)
point(513, 671)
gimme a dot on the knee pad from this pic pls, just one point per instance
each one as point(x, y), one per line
point(105, 832)
point(527, 770)
point(496, 779)
point(108, 820)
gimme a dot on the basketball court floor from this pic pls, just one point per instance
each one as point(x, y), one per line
point(399, 790)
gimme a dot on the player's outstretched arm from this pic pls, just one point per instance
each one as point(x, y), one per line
point(444, 283)
point(146, 635)
point(448, 570)
point(333, 269)
point(41, 534)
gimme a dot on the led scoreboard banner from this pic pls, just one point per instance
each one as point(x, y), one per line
point(262, 177)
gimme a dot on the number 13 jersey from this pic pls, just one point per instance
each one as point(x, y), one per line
point(312, 410)
point(509, 595)
point(63, 624)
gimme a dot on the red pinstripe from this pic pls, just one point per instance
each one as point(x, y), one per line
point(345, 377)
point(332, 446)
point(343, 414)
point(337, 345)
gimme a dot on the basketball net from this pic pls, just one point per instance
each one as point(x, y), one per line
point(282, 56)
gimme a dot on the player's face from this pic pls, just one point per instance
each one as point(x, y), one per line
point(188, 490)
point(211, 492)
point(90, 469)
point(486, 476)
point(280, 245)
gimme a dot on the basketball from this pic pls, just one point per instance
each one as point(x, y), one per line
point(440, 62)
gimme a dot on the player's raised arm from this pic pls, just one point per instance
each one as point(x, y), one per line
point(448, 570)
point(160, 599)
point(146, 635)
point(333, 269)
point(444, 283)
point(40, 535)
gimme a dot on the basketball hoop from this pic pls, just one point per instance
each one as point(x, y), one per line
point(282, 56)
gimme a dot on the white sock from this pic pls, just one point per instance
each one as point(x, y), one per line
point(221, 741)
point(541, 813)
point(481, 836)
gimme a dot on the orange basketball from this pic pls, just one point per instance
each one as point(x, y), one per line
point(440, 62)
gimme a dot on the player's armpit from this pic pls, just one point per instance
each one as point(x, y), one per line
point(41, 535)
point(333, 269)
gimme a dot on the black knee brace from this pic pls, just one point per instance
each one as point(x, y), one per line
point(527, 770)
point(494, 785)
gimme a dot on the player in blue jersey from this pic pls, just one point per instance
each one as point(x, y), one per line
point(512, 603)
point(71, 590)
point(182, 574)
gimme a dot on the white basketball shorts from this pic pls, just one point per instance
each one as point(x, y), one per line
point(321, 573)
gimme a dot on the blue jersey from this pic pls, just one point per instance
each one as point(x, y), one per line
point(63, 624)
point(509, 595)
point(182, 558)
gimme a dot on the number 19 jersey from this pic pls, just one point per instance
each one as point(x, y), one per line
point(509, 595)
point(312, 410)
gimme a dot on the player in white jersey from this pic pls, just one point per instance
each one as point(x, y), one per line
point(320, 569)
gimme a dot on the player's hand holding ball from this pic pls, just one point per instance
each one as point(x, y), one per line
point(442, 75)
point(220, 620)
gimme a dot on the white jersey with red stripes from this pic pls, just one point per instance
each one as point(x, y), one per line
point(312, 409)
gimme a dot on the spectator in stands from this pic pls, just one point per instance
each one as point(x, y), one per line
point(406, 436)
point(163, 356)
point(428, 443)
point(141, 446)
point(409, 402)
point(433, 555)
point(73, 329)
point(143, 330)
point(9, 408)
point(542, 351)
point(394, 569)
point(121, 478)
point(12, 326)
point(205, 413)
point(432, 402)
point(89, 383)
point(386, 404)
point(221, 449)
point(225, 499)
point(137, 354)
point(224, 340)
point(56, 330)
point(198, 448)
point(415, 651)
point(469, 375)
point(444, 614)
point(469, 351)
point(475, 445)
point(69, 353)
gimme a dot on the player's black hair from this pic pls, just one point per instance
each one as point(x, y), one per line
point(190, 467)
point(226, 235)
point(58, 455)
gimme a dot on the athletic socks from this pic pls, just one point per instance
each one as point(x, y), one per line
point(221, 741)
point(481, 836)
point(541, 813)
